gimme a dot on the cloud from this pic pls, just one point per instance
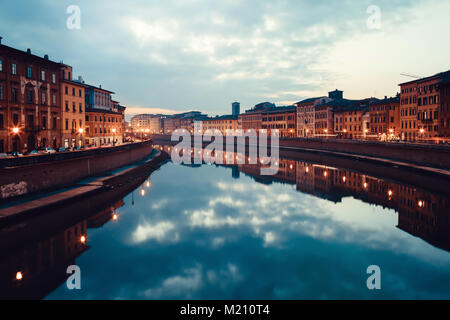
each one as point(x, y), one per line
point(183, 54)
point(161, 232)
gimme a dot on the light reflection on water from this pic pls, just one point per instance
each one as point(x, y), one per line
point(217, 232)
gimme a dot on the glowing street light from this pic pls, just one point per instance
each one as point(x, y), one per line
point(81, 130)
point(19, 275)
point(420, 204)
point(115, 217)
point(15, 130)
point(114, 136)
point(83, 239)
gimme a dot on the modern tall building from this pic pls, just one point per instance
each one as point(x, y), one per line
point(235, 108)
point(30, 101)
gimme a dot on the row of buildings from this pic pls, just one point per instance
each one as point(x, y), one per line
point(420, 111)
point(42, 105)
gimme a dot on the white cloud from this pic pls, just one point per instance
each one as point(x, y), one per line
point(161, 232)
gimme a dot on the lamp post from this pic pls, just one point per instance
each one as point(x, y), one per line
point(15, 131)
point(80, 131)
point(114, 136)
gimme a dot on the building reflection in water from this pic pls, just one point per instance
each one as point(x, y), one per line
point(420, 213)
point(35, 270)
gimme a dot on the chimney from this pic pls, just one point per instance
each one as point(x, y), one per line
point(1, 40)
point(100, 86)
point(29, 51)
point(385, 97)
point(46, 57)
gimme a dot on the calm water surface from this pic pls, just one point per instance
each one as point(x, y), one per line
point(216, 232)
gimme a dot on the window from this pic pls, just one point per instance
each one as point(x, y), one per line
point(14, 94)
point(43, 75)
point(74, 108)
point(1, 121)
point(29, 96)
point(73, 91)
point(43, 97)
point(66, 89)
point(81, 108)
point(14, 68)
point(15, 119)
point(55, 123)
point(53, 77)
point(44, 122)
point(79, 93)
point(67, 106)
point(1, 65)
point(67, 124)
point(1, 92)
point(29, 72)
point(54, 99)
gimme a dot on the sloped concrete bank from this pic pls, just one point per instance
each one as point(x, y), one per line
point(37, 174)
point(107, 187)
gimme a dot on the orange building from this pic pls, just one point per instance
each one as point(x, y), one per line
point(283, 119)
point(420, 106)
point(252, 119)
point(352, 122)
point(104, 118)
point(385, 117)
point(222, 123)
point(73, 109)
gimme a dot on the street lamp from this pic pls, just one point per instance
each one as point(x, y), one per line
point(15, 130)
point(80, 131)
point(114, 136)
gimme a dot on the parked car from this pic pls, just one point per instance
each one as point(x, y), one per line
point(16, 154)
point(62, 150)
point(33, 152)
point(49, 150)
point(4, 155)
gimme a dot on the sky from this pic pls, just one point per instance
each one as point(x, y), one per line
point(173, 56)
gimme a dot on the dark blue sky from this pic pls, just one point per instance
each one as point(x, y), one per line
point(203, 54)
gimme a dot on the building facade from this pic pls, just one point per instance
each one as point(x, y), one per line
point(385, 118)
point(283, 119)
point(104, 118)
point(225, 124)
point(252, 119)
point(73, 110)
point(444, 127)
point(352, 122)
point(30, 101)
point(306, 114)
